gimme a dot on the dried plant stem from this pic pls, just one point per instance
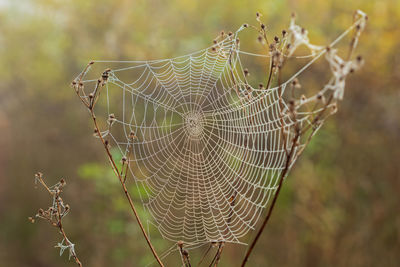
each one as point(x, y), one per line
point(220, 249)
point(61, 228)
point(289, 157)
point(68, 243)
point(283, 174)
point(205, 254)
point(127, 195)
point(271, 68)
point(56, 212)
point(217, 256)
point(122, 179)
point(184, 255)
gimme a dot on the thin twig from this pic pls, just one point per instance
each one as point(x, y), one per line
point(289, 157)
point(90, 105)
point(205, 254)
point(55, 214)
point(283, 174)
point(184, 255)
point(220, 249)
point(128, 197)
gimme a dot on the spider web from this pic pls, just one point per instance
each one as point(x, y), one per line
point(208, 148)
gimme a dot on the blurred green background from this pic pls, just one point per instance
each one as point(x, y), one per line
point(340, 205)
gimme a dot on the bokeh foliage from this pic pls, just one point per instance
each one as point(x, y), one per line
point(339, 206)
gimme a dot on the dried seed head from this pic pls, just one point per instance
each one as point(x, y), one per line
point(124, 159)
point(246, 72)
point(213, 49)
point(245, 25)
point(276, 39)
point(32, 220)
point(215, 41)
point(258, 14)
point(296, 84)
point(263, 26)
point(292, 105)
point(284, 33)
point(180, 243)
point(261, 86)
point(62, 182)
point(230, 33)
point(303, 97)
point(132, 135)
point(334, 108)
point(111, 119)
point(67, 208)
point(260, 38)
point(38, 175)
point(91, 95)
point(106, 74)
point(271, 47)
point(319, 96)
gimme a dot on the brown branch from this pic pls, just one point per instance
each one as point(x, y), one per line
point(271, 68)
point(217, 256)
point(205, 254)
point(184, 255)
point(93, 99)
point(289, 157)
point(127, 195)
point(68, 243)
point(54, 214)
point(220, 249)
point(283, 174)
